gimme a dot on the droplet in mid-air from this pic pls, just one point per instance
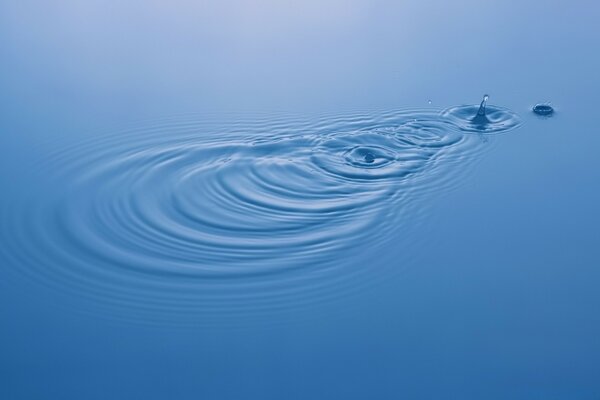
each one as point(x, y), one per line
point(543, 109)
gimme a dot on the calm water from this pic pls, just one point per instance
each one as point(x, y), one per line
point(257, 200)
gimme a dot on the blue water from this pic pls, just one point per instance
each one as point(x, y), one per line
point(299, 201)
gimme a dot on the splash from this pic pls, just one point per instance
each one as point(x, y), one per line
point(481, 111)
point(483, 119)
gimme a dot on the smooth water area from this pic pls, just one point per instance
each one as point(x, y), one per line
point(325, 200)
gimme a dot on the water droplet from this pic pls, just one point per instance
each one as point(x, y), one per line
point(481, 110)
point(369, 158)
point(486, 119)
point(543, 109)
point(429, 101)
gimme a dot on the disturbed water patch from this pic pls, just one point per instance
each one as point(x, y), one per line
point(483, 119)
point(193, 217)
point(369, 156)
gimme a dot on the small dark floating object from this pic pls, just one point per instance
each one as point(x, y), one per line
point(369, 157)
point(543, 109)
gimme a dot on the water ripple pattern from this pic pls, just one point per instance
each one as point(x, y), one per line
point(495, 120)
point(189, 217)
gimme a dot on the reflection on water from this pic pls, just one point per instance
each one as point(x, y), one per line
point(191, 217)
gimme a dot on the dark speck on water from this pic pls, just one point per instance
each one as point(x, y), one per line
point(543, 109)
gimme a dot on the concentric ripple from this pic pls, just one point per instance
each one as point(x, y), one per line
point(496, 119)
point(369, 156)
point(195, 218)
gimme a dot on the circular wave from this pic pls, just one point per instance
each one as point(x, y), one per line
point(496, 119)
point(187, 218)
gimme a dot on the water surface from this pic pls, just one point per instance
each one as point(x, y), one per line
point(257, 200)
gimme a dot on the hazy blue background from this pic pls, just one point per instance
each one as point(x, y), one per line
point(501, 299)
